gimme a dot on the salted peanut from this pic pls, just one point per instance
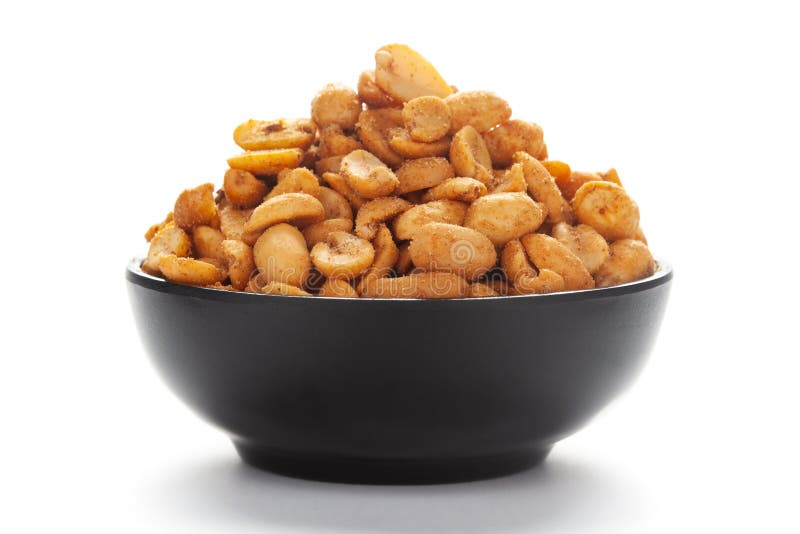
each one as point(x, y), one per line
point(336, 104)
point(207, 242)
point(334, 142)
point(447, 247)
point(441, 211)
point(279, 288)
point(403, 264)
point(281, 255)
point(569, 185)
point(243, 188)
point(386, 255)
point(504, 216)
point(375, 212)
point(423, 173)
point(607, 208)
point(557, 169)
point(427, 118)
point(469, 155)
point(238, 257)
point(400, 141)
point(335, 204)
point(261, 162)
point(639, 235)
point(547, 253)
point(482, 110)
point(480, 290)
point(372, 95)
point(499, 284)
point(367, 175)
point(422, 285)
point(543, 188)
point(299, 180)
point(546, 281)
point(319, 231)
point(461, 188)
point(334, 287)
point(196, 206)
point(154, 229)
point(189, 270)
point(339, 184)
point(513, 136)
point(629, 260)
point(373, 130)
point(232, 220)
point(331, 164)
point(511, 180)
point(612, 176)
point(300, 209)
point(514, 262)
point(168, 240)
point(281, 133)
point(404, 74)
point(342, 255)
point(585, 242)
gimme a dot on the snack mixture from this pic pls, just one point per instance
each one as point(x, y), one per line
point(405, 188)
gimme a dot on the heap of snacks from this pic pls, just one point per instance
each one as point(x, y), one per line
point(406, 188)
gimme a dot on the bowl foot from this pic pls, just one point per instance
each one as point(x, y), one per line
point(387, 470)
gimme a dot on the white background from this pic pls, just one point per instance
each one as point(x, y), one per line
point(110, 109)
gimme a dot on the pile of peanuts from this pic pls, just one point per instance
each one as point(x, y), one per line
point(405, 188)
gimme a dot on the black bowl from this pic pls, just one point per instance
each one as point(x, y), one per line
point(397, 391)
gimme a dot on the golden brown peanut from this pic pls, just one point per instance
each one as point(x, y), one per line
point(335, 204)
point(386, 256)
point(423, 285)
point(154, 229)
point(543, 188)
point(232, 220)
point(546, 281)
point(300, 209)
point(574, 181)
point(511, 180)
point(336, 104)
point(207, 242)
point(168, 240)
point(461, 188)
point(513, 136)
point(557, 169)
point(403, 264)
point(342, 255)
point(281, 133)
point(400, 142)
point(612, 176)
point(500, 285)
point(372, 95)
point(547, 253)
point(404, 74)
point(607, 208)
point(480, 290)
point(336, 288)
point(310, 157)
point(281, 255)
point(469, 155)
point(331, 164)
point(504, 216)
point(243, 189)
point(367, 175)
point(189, 270)
point(427, 118)
point(239, 259)
point(447, 247)
point(196, 206)
point(279, 288)
point(319, 231)
point(639, 235)
point(585, 242)
point(373, 213)
point(339, 184)
point(267, 162)
point(299, 180)
point(629, 260)
point(514, 262)
point(373, 130)
point(442, 211)
point(334, 142)
point(423, 173)
point(482, 110)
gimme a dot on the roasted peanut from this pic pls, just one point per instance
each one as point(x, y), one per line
point(400, 141)
point(504, 216)
point(317, 232)
point(607, 208)
point(511, 137)
point(372, 95)
point(584, 242)
point(331, 164)
point(373, 130)
point(514, 261)
point(168, 240)
point(279, 288)
point(482, 110)
point(480, 290)
point(299, 180)
point(196, 206)
point(267, 162)
point(612, 176)
point(232, 220)
point(546, 281)
point(334, 142)
point(243, 188)
point(423, 173)
point(334, 287)
point(404, 74)
point(375, 212)
point(427, 118)
point(547, 253)
point(423, 285)
point(189, 270)
point(281, 133)
point(300, 209)
point(281, 255)
point(447, 247)
point(461, 188)
point(469, 155)
point(339, 184)
point(557, 169)
point(574, 181)
point(511, 180)
point(386, 255)
point(367, 175)
point(335, 204)
point(207, 242)
point(238, 257)
point(442, 211)
point(153, 230)
point(403, 264)
point(629, 260)
point(342, 255)
point(336, 104)
point(543, 188)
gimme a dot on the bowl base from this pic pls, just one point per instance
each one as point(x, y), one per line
point(390, 471)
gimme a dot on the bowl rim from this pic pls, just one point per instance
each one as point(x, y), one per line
point(135, 275)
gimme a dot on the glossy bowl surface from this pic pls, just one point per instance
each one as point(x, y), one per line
point(397, 391)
